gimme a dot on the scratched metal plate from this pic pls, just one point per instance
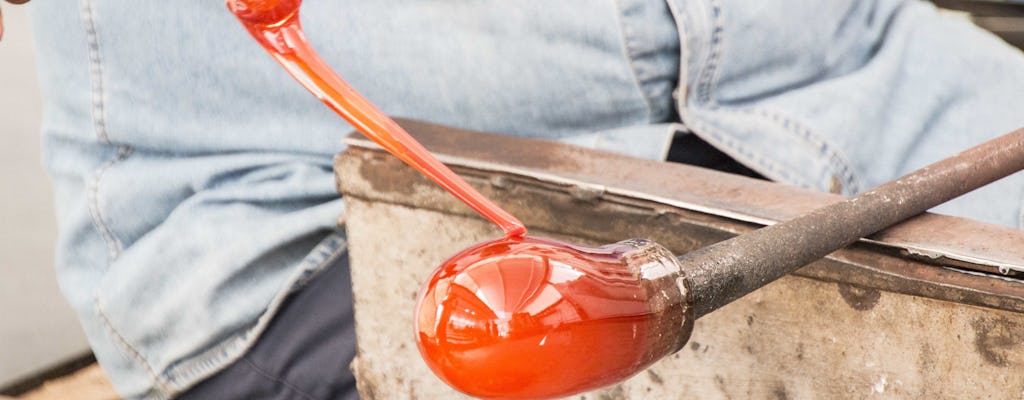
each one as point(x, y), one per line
point(595, 174)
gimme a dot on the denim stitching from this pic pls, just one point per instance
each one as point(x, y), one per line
point(114, 246)
point(738, 151)
point(729, 146)
point(95, 72)
point(277, 379)
point(705, 82)
point(98, 111)
point(709, 73)
point(626, 38)
point(215, 359)
point(835, 159)
point(132, 352)
point(682, 79)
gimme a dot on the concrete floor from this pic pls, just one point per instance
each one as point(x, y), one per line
point(37, 327)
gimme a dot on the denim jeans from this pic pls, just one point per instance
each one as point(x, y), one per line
point(193, 176)
point(304, 353)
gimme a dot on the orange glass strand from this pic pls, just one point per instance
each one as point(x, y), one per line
point(275, 25)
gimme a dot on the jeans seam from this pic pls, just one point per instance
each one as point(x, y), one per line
point(836, 161)
point(277, 379)
point(628, 54)
point(738, 151)
point(708, 74)
point(214, 359)
point(98, 112)
point(98, 109)
point(683, 78)
point(114, 245)
point(133, 353)
point(801, 131)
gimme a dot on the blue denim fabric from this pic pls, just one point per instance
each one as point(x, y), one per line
point(193, 176)
point(845, 95)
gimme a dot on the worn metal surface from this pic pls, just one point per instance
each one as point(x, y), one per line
point(506, 167)
point(844, 326)
point(728, 270)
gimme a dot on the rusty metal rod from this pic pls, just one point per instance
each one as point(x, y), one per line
point(726, 271)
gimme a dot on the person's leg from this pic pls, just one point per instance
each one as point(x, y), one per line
point(844, 95)
point(304, 353)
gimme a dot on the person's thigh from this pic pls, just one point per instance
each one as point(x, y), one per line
point(845, 95)
point(304, 353)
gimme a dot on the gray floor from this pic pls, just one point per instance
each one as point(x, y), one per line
point(37, 328)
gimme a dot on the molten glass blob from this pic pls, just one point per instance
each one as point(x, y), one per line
point(523, 317)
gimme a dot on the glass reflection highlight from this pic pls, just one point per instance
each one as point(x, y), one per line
point(532, 318)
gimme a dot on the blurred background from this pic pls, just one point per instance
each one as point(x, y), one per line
point(38, 330)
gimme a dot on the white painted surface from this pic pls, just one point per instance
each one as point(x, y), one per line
point(37, 327)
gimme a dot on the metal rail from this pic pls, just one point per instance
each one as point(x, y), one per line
point(725, 271)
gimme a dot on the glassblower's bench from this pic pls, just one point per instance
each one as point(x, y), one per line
point(932, 308)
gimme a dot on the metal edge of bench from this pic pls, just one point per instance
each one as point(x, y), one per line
point(747, 203)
